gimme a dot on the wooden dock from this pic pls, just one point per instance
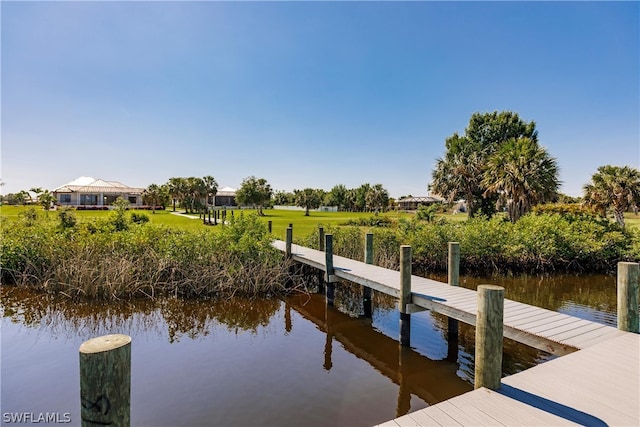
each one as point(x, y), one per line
point(596, 386)
point(546, 330)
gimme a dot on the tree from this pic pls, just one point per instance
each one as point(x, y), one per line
point(211, 187)
point(523, 174)
point(283, 198)
point(195, 193)
point(377, 198)
point(361, 197)
point(177, 189)
point(338, 196)
point(459, 174)
point(309, 198)
point(613, 187)
point(152, 195)
point(255, 192)
point(46, 199)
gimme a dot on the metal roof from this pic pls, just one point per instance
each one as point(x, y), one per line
point(87, 184)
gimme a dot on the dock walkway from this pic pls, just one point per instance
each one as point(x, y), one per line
point(596, 386)
point(546, 330)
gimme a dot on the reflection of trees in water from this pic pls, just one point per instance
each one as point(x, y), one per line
point(63, 317)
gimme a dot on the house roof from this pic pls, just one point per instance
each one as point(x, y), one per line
point(87, 184)
point(226, 191)
point(420, 199)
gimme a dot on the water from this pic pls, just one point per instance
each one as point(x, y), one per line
point(265, 362)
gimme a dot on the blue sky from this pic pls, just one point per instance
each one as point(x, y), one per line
point(307, 94)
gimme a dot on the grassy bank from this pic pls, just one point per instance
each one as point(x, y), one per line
point(106, 254)
point(96, 260)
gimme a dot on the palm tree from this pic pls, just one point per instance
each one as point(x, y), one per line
point(613, 187)
point(195, 191)
point(152, 195)
point(458, 175)
point(177, 189)
point(211, 187)
point(523, 174)
point(377, 198)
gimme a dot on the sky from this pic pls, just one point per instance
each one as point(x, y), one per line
point(307, 94)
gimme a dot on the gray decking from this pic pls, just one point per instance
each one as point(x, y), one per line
point(596, 386)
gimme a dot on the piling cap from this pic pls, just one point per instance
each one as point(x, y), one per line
point(104, 343)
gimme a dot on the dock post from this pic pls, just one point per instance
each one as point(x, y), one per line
point(628, 276)
point(288, 242)
point(489, 334)
point(321, 249)
point(270, 225)
point(321, 239)
point(366, 291)
point(105, 381)
point(454, 280)
point(329, 278)
point(405, 295)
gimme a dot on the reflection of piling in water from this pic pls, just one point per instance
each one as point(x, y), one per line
point(432, 381)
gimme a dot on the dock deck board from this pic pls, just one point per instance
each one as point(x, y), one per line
point(596, 386)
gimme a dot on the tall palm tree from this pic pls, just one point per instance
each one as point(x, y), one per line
point(177, 189)
point(211, 187)
point(523, 174)
point(613, 187)
point(459, 175)
point(151, 195)
point(377, 198)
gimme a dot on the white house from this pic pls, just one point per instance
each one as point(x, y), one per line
point(88, 191)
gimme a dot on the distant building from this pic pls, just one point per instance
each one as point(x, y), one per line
point(91, 192)
point(225, 197)
point(412, 203)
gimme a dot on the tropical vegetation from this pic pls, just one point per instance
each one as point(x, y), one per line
point(616, 188)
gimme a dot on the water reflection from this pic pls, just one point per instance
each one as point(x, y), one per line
point(173, 317)
point(195, 361)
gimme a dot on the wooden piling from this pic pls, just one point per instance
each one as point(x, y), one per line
point(321, 239)
point(289, 241)
point(329, 277)
point(454, 280)
point(366, 291)
point(105, 381)
point(489, 334)
point(628, 276)
point(405, 295)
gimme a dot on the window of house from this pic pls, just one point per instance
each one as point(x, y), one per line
point(65, 198)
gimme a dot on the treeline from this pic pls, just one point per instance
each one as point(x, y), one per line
point(540, 242)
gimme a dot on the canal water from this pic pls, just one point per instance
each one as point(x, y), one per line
point(265, 362)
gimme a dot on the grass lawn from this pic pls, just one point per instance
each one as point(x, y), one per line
point(302, 225)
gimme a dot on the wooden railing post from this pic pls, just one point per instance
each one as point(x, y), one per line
point(368, 259)
point(489, 334)
point(105, 381)
point(288, 242)
point(329, 277)
point(321, 239)
point(454, 280)
point(628, 277)
point(405, 295)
